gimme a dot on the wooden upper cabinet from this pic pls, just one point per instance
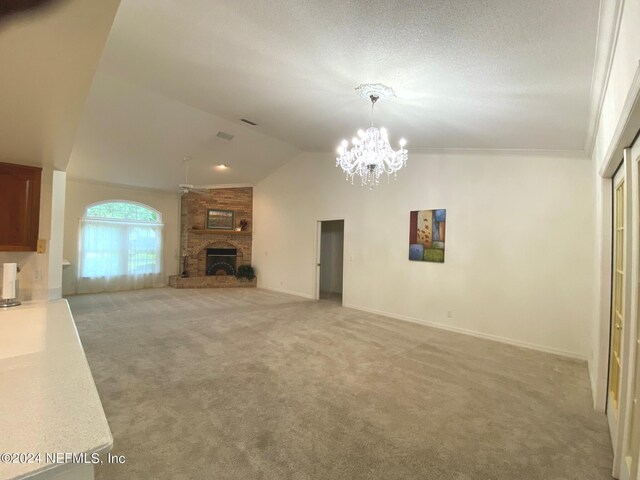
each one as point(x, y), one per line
point(19, 207)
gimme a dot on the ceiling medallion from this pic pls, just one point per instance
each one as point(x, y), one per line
point(371, 154)
point(365, 90)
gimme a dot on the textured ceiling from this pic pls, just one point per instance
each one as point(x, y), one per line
point(496, 74)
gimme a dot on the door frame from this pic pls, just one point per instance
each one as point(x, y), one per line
point(316, 294)
point(617, 426)
point(614, 144)
point(632, 159)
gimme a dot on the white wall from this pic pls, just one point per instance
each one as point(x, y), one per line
point(519, 242)
point(81, 193)
point(56, 242)
point(613, 117)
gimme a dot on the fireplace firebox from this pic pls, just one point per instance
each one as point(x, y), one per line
point(221, 261)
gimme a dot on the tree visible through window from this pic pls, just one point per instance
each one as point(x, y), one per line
point(123, 211)
point(120, 239)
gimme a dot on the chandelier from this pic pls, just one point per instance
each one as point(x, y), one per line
point(370, 154)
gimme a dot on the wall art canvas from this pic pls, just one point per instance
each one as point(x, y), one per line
point(220, 219)
point(427, 235)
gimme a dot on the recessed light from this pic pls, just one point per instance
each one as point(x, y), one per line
point(222, 166)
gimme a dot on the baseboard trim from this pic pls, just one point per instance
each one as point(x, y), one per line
point(473, 333)
point(598, 405)
point(288, 292)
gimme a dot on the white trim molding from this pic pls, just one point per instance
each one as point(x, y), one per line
point(288, 292)
point(607, 39)
point(503, 152)
point(626, 128)
point(624, 133)
point(473, 333)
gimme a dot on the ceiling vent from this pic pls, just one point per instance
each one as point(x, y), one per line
point(224, 135)
point(248, 121)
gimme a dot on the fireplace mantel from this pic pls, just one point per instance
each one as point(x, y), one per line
point(200, 231)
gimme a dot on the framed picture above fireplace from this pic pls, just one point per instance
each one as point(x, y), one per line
point(220, 219)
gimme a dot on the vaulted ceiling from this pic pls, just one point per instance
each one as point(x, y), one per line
point(48, 57)
point(501, 74)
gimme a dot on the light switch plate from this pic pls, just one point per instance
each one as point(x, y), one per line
point(42, 246)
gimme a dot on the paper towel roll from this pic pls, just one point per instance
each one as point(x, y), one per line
point(9, 274)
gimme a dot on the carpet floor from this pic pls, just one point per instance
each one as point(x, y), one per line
point(249, 384)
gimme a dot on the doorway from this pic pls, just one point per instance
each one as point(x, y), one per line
point(623, 331)
point(330, 260)
point(617, 300)
point(618, 330)
point(629, 450)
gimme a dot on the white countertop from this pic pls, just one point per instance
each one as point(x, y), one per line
point(48, 399)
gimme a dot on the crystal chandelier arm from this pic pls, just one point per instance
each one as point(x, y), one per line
point(370, 154)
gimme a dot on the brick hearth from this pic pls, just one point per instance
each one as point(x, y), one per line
point(211, 281)
point(195, 238)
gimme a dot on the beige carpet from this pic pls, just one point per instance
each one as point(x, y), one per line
point(248, 384)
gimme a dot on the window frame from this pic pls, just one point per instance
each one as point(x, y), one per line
point(122, 221)
point(112, 219)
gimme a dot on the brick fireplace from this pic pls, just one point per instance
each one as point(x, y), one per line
point(221, 261)
point(207, 247)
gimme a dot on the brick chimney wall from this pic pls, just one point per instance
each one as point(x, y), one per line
point(194, 236)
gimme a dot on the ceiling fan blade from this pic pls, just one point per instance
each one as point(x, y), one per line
point(187, 187)
point(184, 189)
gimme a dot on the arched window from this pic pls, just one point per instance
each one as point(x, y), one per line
point(120, 247)
point(121, 210)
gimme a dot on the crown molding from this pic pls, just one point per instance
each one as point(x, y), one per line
point(574, 154)
point(531, 152)
point(225, 185)
point(608, 28)
point(626, 129)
